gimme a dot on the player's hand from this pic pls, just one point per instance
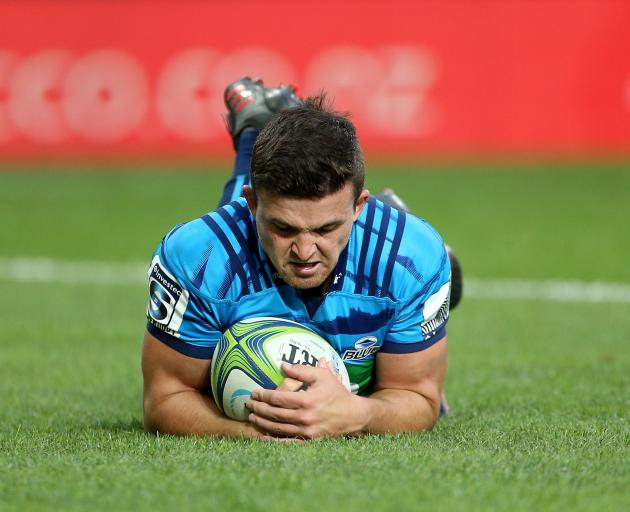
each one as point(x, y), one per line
point(325, 363)
point(289, 384)
point(325, 408)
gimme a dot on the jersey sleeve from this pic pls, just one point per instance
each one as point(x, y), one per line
point(177, 314)
point(424, 287)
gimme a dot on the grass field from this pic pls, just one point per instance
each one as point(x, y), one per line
point(540, 389)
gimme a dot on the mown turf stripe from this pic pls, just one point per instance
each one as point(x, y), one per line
point(45, 270)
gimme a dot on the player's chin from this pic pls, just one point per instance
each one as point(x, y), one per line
point(305, 282)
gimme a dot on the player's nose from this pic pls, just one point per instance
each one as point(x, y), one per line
point(303, 246)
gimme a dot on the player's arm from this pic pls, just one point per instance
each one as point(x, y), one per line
point(175, 397)
point(408, 389)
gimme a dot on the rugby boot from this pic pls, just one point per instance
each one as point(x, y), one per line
point(250, 104)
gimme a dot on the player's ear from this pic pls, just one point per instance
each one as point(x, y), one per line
point(250, 197)
point(360, 203)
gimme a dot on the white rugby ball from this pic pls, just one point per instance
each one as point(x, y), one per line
point(250, 353)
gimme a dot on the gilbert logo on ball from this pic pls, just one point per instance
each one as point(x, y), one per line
point(249, 354)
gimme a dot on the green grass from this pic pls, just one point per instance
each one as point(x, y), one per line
point(539, 390)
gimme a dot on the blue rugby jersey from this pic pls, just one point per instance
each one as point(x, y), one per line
point(389, 293)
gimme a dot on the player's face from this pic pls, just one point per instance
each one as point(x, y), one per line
point(304, 237)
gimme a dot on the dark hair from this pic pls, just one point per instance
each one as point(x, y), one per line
point(308, 151)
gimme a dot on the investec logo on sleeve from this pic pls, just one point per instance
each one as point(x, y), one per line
point(167, 299)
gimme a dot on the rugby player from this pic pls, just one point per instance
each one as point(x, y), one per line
point(308, 243)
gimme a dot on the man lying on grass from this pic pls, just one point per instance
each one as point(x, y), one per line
point(306, 242)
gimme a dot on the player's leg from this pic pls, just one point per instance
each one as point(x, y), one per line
point(250, 107)
point(240, 173)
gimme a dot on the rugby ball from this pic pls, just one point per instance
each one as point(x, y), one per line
point(250, 353)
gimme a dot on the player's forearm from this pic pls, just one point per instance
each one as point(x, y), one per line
point(192, 413)
point(395, 410)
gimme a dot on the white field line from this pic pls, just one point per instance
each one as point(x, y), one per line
point(547, 290)
point(44, 270)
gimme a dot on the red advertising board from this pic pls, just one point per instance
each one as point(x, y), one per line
point(145, 78)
